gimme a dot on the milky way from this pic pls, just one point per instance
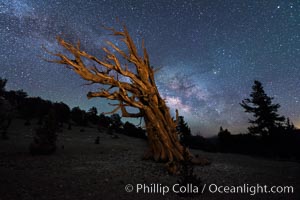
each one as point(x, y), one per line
point(210, 52)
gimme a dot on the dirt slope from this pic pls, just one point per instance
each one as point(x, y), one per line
point(83, 170)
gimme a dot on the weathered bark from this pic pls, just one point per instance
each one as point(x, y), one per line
point(140, 93)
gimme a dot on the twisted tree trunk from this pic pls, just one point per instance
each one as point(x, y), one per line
point(162, 134)
point(141, 92)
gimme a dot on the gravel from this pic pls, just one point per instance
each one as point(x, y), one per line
point(83, 170)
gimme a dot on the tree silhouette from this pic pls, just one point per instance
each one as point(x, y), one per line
point(129, 79)
point(116, 122)
point(62, 112)
point(264, 111)
point(223, 133)
point(104, 122)
point(2, 86)
point(79, 116)
point(289, 126)
point(16, 98)
point(5, 110)
point(93, 111)
point(131, 130)
point(33, 107)
point(92, 115)
point(183, 130)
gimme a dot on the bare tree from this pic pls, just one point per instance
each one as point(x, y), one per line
point(139, 92)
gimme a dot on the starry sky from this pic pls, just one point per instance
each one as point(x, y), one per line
point(210, 52)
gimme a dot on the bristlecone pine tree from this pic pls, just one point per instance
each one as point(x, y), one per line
point(140, 92)
point(265, 112)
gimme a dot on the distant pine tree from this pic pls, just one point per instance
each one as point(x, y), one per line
point(92, 115)
point(223, 133)
point(116, 122)
point(2, 86)
point(289, 126)
point(79, 116)
point(93, 111)
point(104, 122)
point(264, 111)
point(183, 129)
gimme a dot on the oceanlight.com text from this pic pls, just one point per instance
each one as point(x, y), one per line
point(157, 188)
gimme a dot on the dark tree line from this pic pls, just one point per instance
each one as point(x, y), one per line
point(51, 116)
point(29, 108)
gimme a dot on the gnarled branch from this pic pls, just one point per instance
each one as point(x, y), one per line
point(140, 92)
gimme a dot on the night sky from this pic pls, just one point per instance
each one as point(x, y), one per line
point(211, 52)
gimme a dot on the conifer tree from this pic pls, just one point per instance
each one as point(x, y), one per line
point(183, 130)
point(266, 118)
point(2, 86)
point(182, 127)
point(223, 133)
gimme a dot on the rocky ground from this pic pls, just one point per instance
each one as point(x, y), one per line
point(83, 170)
